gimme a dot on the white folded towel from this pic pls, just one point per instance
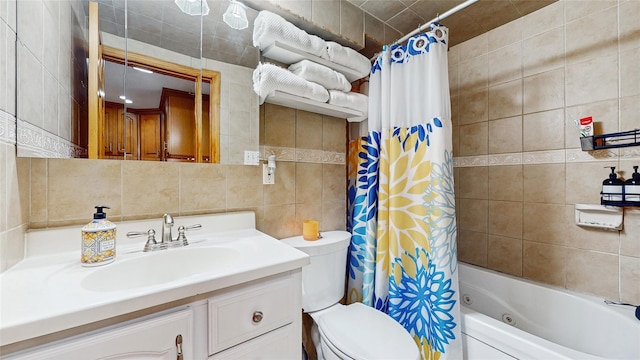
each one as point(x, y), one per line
point(320, 74)
point(350, 100)
point(269, 27)
point(268, 78)
point(348, 57)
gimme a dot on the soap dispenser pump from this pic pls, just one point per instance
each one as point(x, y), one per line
point(612, 188)
point(632, 187)
point(98, 240)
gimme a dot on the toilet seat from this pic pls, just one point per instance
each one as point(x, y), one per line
point(358, 332)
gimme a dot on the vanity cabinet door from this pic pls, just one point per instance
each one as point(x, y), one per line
point(151, 339)
point(273, 345)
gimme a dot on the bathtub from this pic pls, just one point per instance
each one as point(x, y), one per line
point(504, 317)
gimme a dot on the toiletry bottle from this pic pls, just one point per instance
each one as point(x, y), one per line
point(632, 187)
point(98, 240)
point(612, 187)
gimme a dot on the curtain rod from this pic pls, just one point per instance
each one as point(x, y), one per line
point(446, 14)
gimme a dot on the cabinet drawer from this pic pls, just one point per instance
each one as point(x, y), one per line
point(250, 311)
point(278, 344)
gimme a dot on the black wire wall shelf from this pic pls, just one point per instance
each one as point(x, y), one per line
point(610, 141)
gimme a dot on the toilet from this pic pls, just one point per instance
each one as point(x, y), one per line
point(345, 332)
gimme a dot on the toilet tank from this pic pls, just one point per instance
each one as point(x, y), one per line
point(323, 279)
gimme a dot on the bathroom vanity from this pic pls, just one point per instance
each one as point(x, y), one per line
point(233, 292)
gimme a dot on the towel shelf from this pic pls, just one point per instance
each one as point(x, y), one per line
point(289, 55)
point(610, 141)
point(300, 103)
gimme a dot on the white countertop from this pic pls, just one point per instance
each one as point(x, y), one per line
point(44, 294)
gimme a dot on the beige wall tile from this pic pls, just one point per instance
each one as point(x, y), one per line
point(308, 188)
point(630, 72)
point(544, 183)
point(326, 14)
point(545, 223)
point(582, 277)
point(545, 19)
point(308, 130)
point(334, 182)
point(473, 73)
point(196, 197)
point(473, 106)
point(154, 193)
point(505, 64)
point(301, 8)
point(14, 246)
point(5, 149)
point(505, 254)
point(545, 91)
point(351, 22)
point(505, 135)
point(17, 192)
point(333, 215)
point(474, 47)
point(472, 247)
point(454, 77)
point(75, 186)
point(280, 221)
point(505, 183)
point(505, 100)
point(334, 134)
point(473, 182)
point(474, 139)
point(544, 130)
point(628, 19)
point(544, 263)
point(473, 214)
point(630, 234)
point(577, 9)
point(284, 190)
point(373, 27)
point(505, 35)
point(629, 110)
point(39, 182)
point(600, 84)
point(279, 126)
point(630, 279)
point(505, 218)
point(244, 186)
point(308, 211)
point(592, 36)
point(543, 52)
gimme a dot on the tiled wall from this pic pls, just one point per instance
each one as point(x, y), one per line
point(51, 67)
point(516, 92)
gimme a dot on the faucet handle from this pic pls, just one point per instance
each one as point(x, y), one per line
point(151, 243)
point(181, 230)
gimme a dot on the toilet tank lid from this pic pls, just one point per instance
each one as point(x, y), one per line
point(331, 241)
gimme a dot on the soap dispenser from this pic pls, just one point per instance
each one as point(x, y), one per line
point(98, 240)
point(612, 187)
point(632, 187)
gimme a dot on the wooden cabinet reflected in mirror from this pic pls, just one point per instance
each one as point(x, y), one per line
point(157, 118)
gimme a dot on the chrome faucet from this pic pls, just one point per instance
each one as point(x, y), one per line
point(167, 224)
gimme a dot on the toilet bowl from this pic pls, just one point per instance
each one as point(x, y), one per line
point(345, 332)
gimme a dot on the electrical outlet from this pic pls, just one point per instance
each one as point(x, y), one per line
point(267, 179)
point(251, 157)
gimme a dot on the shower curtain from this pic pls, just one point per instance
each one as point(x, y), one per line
point(402, 257)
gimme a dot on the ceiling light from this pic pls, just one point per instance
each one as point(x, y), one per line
point(146, 71)
point(126, 101)
point(236, 16)
point(193, 7)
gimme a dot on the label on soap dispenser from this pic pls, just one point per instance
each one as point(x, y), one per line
point(98, 243)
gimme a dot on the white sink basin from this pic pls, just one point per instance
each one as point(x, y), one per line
point(159, 267)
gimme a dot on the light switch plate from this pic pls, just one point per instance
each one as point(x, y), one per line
point(251, 157)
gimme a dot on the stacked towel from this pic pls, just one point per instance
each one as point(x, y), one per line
point(348, 57)
point(269, 27)
point(350, 100)
point(320, 74)
point(268, 78)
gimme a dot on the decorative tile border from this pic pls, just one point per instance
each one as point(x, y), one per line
point(548, 157)
point(7, 128)
point(303, 155)
point(35, 142)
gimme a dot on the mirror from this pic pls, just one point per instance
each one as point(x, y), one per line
point(157, 29)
